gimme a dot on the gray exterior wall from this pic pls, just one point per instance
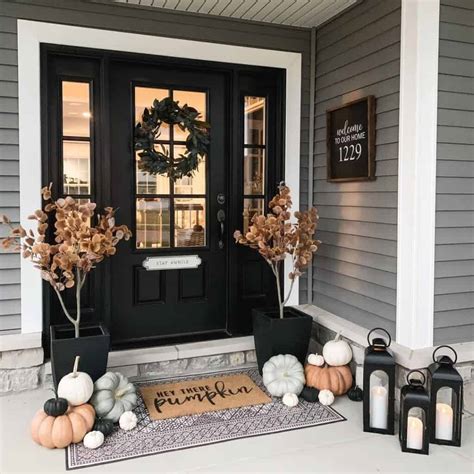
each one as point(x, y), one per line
point(354, 276)
point(118, 17)
point(454, 254)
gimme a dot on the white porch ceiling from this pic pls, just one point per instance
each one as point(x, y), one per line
point(302, 13)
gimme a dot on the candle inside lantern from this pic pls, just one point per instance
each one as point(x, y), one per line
point(444, 422)
point(414, 433)
point(378, 407)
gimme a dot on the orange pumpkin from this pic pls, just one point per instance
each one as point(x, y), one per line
point(337, 379)
point(60, 431)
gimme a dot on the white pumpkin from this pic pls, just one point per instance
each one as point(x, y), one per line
point(76, 387)
point(290, 400)
point(113, 395)
point(93, 439)
point(128, 420)
point(337, 352)
point(326, 397)
point(283, 374)
point(316, 359)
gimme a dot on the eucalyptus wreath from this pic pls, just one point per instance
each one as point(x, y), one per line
point(155, 158)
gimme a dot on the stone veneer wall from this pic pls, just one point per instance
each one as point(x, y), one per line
point(24, 370)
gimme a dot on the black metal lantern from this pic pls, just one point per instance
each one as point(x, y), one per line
point(379, 386)
point(446, 399)
point(415, 423)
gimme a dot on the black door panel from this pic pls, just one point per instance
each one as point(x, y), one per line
point(215, 299)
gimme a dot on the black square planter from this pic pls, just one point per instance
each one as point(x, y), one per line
point(92, 346)
point(273, 335)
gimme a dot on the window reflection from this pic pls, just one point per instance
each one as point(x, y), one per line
point(193, 99)
point(149, 184)
point(195, 184)
point(76, 167)
point(254, 120)
point(153, 223)
point(144, 97)
point(254, 156)
point(76, 109)
point(251, 207)
point(190, 222)
point(164, 207)
point(254, 162)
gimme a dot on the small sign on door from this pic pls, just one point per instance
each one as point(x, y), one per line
point(175, 262)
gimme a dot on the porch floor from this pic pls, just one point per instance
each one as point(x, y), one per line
point(339, 447)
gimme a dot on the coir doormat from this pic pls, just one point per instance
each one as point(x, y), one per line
point(190, 397)
point(198, 429)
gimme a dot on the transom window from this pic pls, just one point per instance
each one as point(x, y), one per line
point(170, 214)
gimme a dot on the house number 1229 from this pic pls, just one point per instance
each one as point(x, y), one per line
point(350, 153)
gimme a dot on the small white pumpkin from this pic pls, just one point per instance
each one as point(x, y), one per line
point(316, 359)
point(283, 374)
point(290, 400)
point(76, 387)
point(128, 420)
point(93, 439)
point(326, 397)
point(337, 352)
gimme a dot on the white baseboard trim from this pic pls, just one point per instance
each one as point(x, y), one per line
point(19, 341)
point(406, 357)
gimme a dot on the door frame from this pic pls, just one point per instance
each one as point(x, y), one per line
point(32, 34)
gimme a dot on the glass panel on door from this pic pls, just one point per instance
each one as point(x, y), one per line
point(76, 139)
point(254, 155)
point(165, 208)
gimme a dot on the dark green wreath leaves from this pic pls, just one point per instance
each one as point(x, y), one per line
point(154, 157)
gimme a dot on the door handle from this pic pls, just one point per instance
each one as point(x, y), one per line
point(221, 220)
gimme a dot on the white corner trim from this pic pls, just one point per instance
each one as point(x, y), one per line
point(31, 34)
point(417, 172)
point(404, 356)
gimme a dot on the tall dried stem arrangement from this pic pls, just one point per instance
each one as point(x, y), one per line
point(78, 246)
point(275, 237)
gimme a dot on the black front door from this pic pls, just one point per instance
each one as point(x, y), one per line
point(92, 100)
point(168, 218)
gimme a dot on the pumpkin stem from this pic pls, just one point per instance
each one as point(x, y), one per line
point(76, 365)
point(338, 336)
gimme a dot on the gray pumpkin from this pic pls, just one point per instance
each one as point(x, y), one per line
point(113, 395)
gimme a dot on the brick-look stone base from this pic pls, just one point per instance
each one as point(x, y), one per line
point(27, 378)
point(21, 370)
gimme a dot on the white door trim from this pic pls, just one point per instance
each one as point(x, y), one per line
point(417, 172)
point(31, 34)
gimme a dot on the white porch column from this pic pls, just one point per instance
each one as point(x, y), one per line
point(417, 172)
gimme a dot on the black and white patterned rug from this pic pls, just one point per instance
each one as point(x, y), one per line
point(155, 437)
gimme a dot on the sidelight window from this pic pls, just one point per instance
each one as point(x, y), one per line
point(76, 139)
point(170, 214)
point(254, 155)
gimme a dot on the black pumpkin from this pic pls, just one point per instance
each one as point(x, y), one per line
point(310, 394)
point(355, 394)
point(103, 425)
point(55, 406)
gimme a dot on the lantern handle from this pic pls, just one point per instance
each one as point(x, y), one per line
point(379, 329)
point(416, 371)
point(445, 347)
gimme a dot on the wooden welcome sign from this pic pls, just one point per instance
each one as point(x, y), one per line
point(350, 136)
point(189, 397)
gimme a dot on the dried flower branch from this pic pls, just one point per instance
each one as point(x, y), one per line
point(78, 246)
point(275, 237)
